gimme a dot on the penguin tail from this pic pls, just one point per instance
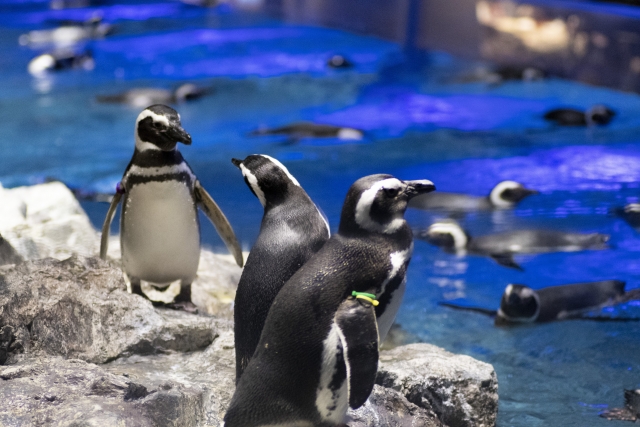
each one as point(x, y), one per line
point(506, 260)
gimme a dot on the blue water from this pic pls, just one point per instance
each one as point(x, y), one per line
point(419, 122)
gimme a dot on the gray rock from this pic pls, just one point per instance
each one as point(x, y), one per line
point(8, 255)
point(462, 391)
point(389, 408)
point(79, 308)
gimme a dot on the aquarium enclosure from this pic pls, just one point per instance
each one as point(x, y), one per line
point(466, 93)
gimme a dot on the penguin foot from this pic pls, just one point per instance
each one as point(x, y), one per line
point(187, 306)
point(620, 414)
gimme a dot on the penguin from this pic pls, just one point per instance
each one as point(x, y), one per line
point(140, 97)
point(505, 195)
point(318, 352)
point(68, 34)
point(448, 235)
point(521, 304)
point(292, 230)
point(60, 60)
point(299, 130)
point(631, 410)
point(630, 213)
point(339, 61)
point(159, 228)
point(597, 115)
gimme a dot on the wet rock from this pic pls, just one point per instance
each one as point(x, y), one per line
point(389, 408)
point(46, 221)
point(79, 308)
point(8, 255)
point(462, 391)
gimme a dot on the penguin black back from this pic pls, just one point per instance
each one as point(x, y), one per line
point(292, 230)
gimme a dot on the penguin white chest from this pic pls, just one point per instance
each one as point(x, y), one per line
point(398, 261)
point(160, 234)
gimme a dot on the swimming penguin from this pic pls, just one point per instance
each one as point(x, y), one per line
point(502, 246)
point(339, 61)
point(299, 130)
point(67, 35)
point(631, 410)
point(504, 195)
point(141, 97)
point(596, 115)
point(292, 230)
point(159, 229)
point(60, 60)
point(630, 213)
point(318, 353)
point(522, 304)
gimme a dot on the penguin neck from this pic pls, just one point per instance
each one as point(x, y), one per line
point(156, 158)
point(349, 227)
point(283, 196)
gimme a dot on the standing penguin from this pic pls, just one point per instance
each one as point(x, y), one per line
point(318, 353)
point(159, 228)
point(292, 230)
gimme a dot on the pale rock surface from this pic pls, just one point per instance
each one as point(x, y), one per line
point(461, 390)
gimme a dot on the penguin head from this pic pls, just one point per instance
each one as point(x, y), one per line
point(519, 303)
point(447, 234)
point(599, 115)
point(267, 178)
point(508, 193)
point(189, 91)
point(158, 128)
point(376, 203)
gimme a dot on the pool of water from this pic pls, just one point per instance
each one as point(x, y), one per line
point(420, 120)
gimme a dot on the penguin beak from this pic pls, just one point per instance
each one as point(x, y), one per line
point(177, 134)
point(236, 162)
point(415, 188)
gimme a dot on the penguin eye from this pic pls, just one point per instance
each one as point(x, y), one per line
point(391, 192)
point(157, 125)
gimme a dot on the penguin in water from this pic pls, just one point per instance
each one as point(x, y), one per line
point(68, 34)
point(631, 410)
point(159, 228)
point(521, 304)
point(448, 235)
point(292, 230)
point(630, 213)
point(140, 97)
point(598, 115)
point(300, 130)
point(318, 353)
point(505, 195)
point(60, 60)
point(339, 61)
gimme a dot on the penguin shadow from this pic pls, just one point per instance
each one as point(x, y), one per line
point(522, 305)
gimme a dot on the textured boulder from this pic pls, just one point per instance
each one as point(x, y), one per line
point(461, 390)
point(46, 220)
point(8, 254)
point(389, 408)
point(79, 308)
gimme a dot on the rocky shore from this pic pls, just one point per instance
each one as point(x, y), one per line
point(76, 349)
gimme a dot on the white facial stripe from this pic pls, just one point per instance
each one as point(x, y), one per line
point(496, 194)
point(281, 166)
point(508, 290)
point(349, 134)
point(144, 145)
point(363, 208)
point(460, 239)
point(253, 182)
point(632, 207)
point(332, 405)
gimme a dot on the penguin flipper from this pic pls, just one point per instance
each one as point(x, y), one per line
point(106, 226)
point(219, 221)
point(356, 320)
point(486, 311)
point(506, 260)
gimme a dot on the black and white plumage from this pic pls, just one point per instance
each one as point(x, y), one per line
point(140, 97)
point(67, 35)
point(630, 213)
point(292, 230)
point(318, 352)
point(598, 115)
point(451, 237)
point(159, 228)
point(630, 411)
point(59, 60)
point(300, 130)
point(505, 195)
point(521, 304)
